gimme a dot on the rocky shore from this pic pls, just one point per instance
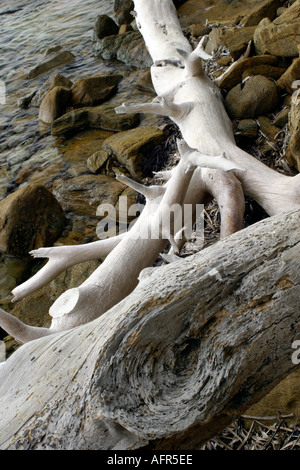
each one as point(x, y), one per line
point(51, 197)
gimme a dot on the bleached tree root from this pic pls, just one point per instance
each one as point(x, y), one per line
point(196, 343)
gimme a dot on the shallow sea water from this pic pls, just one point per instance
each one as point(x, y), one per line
point(27, 30)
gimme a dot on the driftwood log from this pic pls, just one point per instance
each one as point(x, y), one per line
point(197, 342)
point(166, 357)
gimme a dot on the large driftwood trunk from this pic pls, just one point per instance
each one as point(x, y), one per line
point(196, 343)
point(164, 358)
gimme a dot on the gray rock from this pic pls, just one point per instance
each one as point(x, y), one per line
point(128, 48)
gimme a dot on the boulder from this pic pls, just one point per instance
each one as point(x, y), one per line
point(292, 74)
point(132, 147)
point(94, 90)
point(30, 218)
point(105, 26)
point(56, 79)
point(55, 104)
point(280, 37)
point(128, 48)
point(235, 75)
point(266, 9)
point(256, 96)
point(59, 59)
point(293, 150)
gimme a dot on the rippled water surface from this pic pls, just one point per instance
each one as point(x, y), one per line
point(27, 30)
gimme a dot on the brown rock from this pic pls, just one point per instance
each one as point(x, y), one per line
point(267, 9)
point(268, 71)
point(282, 118)
point(291, 75)
point(257, 96)
point(268, 128)
point(71, 123)
point(216, 11)
point(94, 90)
point(236, 39)
point(280, 37)
point(30, 218)
point(247, 128)
point(96, 161)
point(130, 148)
point(83, 194)
point(283, 399)
point(105, 117)
point(293, 150)
point(55, 104)
point(235, 75)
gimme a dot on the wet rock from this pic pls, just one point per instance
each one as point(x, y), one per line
point(105, 26)
point(30, 218)
point(96, 161)
point(71, 123)
point(246, 128)
point(55, 104)
point(105, 117)
point(55, 80)
point(266, 9)
point(293, 150)
point(256, 96)
point(130, 148)
point(59, 59)
point(94, 90)
point(25, 102)
point(268, 71)
point(82, 195)
point(292, 74)
point(128, 48)
point(122, 11)
point(235, 75)
point(280, 37)
point(53, 49)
